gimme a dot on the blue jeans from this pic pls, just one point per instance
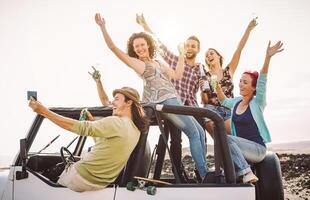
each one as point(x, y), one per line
point(243, 150)
point(193, 131)
point(225, 113)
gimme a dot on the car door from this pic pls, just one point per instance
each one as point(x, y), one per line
point(34, 188)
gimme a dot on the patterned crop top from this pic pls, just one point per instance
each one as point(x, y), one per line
point(226, 84)
point(157, 85)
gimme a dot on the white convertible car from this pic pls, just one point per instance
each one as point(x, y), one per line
point(43, 153)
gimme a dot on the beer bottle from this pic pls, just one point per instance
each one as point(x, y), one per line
point(206, 86)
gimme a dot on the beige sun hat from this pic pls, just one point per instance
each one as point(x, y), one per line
point(129, 92)
point(133, 95)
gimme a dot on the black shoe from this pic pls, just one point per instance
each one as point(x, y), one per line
point(211, 177)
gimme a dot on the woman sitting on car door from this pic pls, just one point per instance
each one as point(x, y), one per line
point(249, 130)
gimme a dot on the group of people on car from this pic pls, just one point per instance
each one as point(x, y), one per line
point(173, 82)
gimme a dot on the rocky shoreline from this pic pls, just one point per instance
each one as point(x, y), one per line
point(295, 173)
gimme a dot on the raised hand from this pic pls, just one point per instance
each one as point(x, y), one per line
point(181, 49)
point(86, 115)
point(100, 21)
point(272, 50)
point(252, 24)
point(96, 74)
point(140, 20)
point(36, 106)
point(89, 116)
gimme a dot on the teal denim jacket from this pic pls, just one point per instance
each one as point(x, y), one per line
point(257, 106)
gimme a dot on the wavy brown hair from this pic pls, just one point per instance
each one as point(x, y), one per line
point(221, 57)
point(149, 40)
point(138, 116)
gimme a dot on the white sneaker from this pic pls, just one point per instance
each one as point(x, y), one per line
point(249, 178)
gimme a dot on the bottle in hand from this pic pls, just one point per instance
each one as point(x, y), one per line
point(206, 86)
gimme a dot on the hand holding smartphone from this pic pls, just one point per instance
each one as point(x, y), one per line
point(32, 94)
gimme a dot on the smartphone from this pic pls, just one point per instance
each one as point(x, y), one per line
point(32, 94)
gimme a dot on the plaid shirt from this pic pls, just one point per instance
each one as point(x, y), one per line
point(188, 86)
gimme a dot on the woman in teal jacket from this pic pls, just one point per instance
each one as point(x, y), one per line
point(248, 127)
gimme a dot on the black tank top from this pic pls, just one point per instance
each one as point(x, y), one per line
point(246, 126)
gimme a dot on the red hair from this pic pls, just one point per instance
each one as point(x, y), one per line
point(254, 75)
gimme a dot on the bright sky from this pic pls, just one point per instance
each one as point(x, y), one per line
point(49, 46)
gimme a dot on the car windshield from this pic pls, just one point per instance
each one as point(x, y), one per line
point(50, 138)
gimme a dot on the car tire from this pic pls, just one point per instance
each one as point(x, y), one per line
point(269, 185)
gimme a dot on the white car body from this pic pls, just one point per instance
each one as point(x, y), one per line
point(34, 188)
point(27, 177)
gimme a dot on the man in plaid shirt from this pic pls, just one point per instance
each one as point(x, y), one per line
point(187, 87)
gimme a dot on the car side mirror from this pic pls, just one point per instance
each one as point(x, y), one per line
point(23, 156)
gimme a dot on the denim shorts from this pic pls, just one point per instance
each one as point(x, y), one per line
point(224, 112)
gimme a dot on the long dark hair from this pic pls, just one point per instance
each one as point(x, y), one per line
point(149, 40)
point(221, 57)
point(138, 116)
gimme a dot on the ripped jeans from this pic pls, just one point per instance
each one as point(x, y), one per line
point(243, 150)
point(193, 131)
